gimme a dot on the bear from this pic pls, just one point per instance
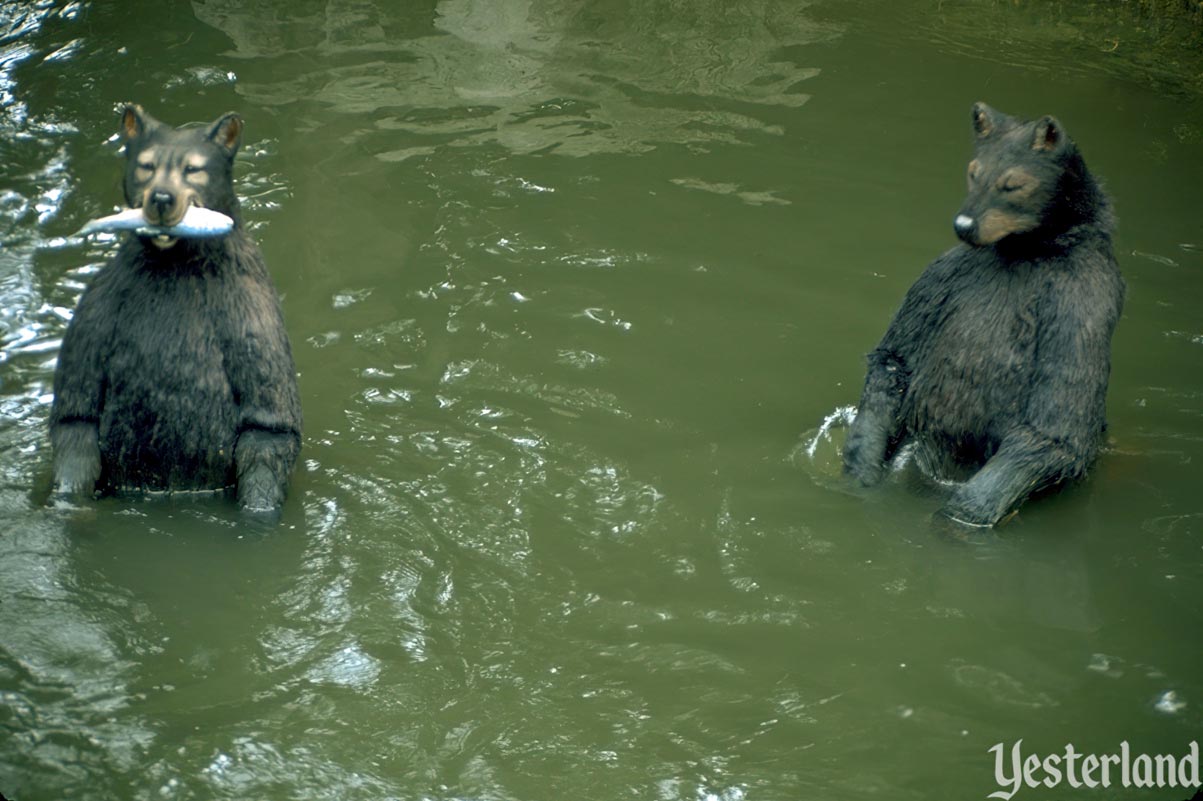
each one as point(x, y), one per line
point(996, 364)
point(175, 372)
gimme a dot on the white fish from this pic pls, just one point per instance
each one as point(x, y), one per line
point(197, 223)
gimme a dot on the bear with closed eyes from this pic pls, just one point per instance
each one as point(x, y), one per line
point(175, 372)
point(996, 364)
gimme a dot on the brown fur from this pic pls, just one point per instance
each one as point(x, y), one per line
point(994, 224)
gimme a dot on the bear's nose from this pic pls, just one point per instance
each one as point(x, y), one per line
point(964, 225)
point(162, 199)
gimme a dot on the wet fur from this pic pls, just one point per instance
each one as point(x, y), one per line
point(997, 362)
point(176, 371)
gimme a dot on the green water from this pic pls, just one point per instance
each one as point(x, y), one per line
point(571, 288)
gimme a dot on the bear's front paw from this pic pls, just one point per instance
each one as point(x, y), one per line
point(259, 491)
point(76, 459)
point(76, 477)
point(960, 532)
point(967, 508)
point(864, 462)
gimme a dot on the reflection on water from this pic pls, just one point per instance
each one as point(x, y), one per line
point(573, 77)
point(569, 519)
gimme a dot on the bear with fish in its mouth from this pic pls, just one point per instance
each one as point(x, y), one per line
point(176, 371)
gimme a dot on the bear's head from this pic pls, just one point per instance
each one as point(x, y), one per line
point(167, 169)
point(1023, 180)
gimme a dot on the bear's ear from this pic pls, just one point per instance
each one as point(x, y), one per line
point(1049, 134)
point(983, 120)
point(135, 122)
point(227, 132)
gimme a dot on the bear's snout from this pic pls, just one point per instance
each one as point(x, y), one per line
point(965, 227)
point(162, 201)
point(165, 206)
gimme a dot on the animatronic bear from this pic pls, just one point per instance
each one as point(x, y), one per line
point(175, 372)
point(996, 365)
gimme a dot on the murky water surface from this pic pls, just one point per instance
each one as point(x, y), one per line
point(572, 287)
